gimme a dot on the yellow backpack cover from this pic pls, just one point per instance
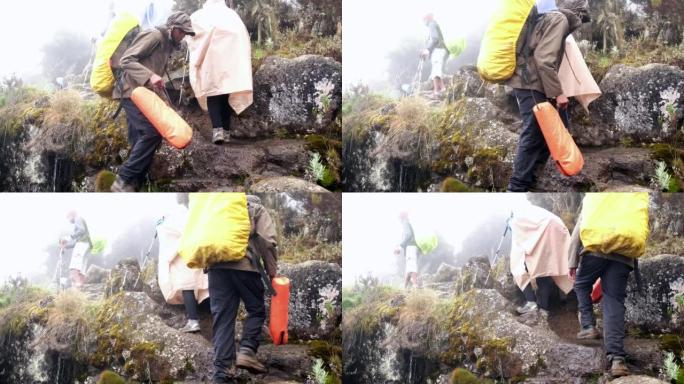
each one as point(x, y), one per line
point(217, 229)
point(615, 223)
point(496, 61)
point(102, 78)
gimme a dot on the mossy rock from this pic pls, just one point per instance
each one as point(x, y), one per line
point(463, 376)
point(451, 184)
point(109, 377)
point(104, 181)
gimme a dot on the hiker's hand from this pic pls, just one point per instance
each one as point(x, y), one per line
point(562, 101)
point(157, 81)
point(572, 274)
point(424, 54)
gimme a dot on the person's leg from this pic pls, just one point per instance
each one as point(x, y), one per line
point(590, 269)
point(614, 285)
point(528, 292)
point(215, 107)
point(226, 112)
point(545, 287)
point(134, 170)
point(251, 290)
point(224, 302)
point(190, 304)
point(532, 151)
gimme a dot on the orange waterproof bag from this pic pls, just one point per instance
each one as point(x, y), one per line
point(280, 304)
point(596, 292)
point(170, 125)
point(563, 149)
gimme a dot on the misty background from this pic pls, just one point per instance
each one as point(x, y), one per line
point(465, 223)
point(383, 38)
point(32, 225)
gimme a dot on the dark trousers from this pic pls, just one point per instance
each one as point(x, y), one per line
point(226, 288)
point(219, 111)
point(532, 152)
point(543, 295)
point(613, 276)
point(144, 140)
point(190, 305)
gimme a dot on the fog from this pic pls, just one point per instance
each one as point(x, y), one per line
point(33, 222)
point(375, 28)
point(26, 26)
point(371, 229)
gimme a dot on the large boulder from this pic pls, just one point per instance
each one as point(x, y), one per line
point(315, 298)
point(660, 308)
point(125, 277)
point(644, 104)
point(301, 95)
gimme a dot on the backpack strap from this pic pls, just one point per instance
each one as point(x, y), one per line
point(526, 50)
point(257, 262)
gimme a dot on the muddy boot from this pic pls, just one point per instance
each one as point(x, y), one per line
point(589, 333)
point(218, 136)
point(618, 367)
point(246, 359)
point(530, 306)
point(121, 186)
point(191, 326)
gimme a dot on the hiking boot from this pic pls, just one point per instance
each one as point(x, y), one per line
point(530, 306)
point(246, 359)
point(618, 367)
point(121, 186)
point(226, 137)
point(218, 136)
point(589, 333)
point(191, 326)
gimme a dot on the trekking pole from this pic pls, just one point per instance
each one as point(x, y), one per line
point(498, 248)
point(416, 79)
point(149, 249)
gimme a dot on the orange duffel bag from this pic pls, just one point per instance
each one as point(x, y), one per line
point(563, 149)
point(170, 125)
point(280, 305)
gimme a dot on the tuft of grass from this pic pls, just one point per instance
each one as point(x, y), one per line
point(298, 249)
point(411, 128)
point(69, 322)
point(362, 114)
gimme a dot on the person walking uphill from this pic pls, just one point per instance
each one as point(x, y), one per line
point(79, 241)
point(611, 233)
point(437, 51)
point(221, 82)
point(230, 282)
point(535, 80)
point(409, 250)
point(142, 64)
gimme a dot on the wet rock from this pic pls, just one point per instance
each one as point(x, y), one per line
point(659, 309)
point(315, 299)
point(504, 283)
point(302, 95)
point(96, 275)
point(445, 273)
point(644, 104)
point(286, 184)
point(475, 274)
point(125, 277)
point(637, 379)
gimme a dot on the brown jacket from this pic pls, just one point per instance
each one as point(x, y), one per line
point(262, 242)
point(547, 43)
point(147, 55)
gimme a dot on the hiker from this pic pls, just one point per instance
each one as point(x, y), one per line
point(592, 255)
point(230, 282)
point(538, 257)
point(535, 80)
point(178, 283)
point(409, 250)
point(222, 83)
point(142, 64)
point(438, 53)
point(79, 242)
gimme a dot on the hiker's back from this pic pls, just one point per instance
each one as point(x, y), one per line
point(545, 44)
point(615, 223)
point(149, 51)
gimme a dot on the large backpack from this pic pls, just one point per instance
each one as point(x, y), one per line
point(496, 61)
point(615, 223)
point(122, 31)
point(217, 229)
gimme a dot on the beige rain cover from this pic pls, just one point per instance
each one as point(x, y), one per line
point(540, 240)
point(220, 56)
